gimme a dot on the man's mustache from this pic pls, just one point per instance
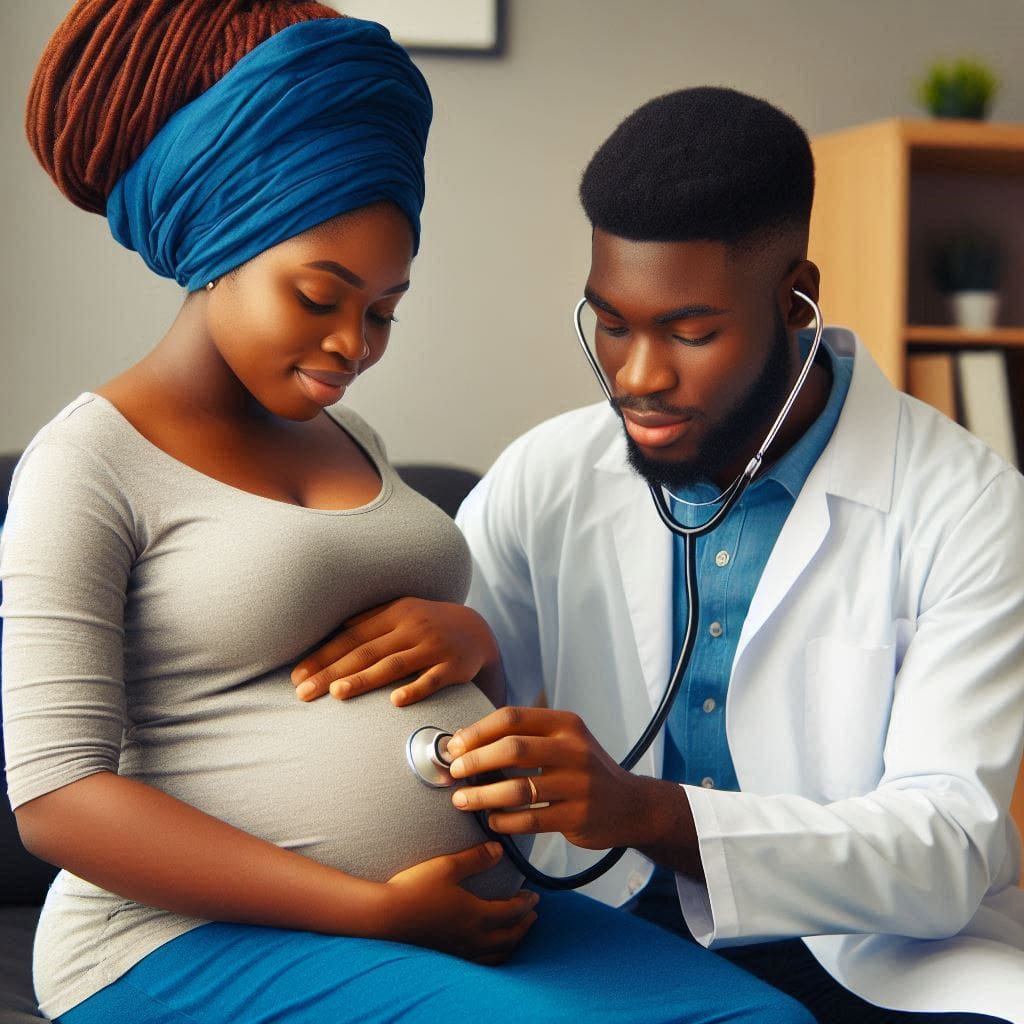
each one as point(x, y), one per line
point(651, 404)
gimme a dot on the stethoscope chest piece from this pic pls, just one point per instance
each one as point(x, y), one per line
point(427, 754)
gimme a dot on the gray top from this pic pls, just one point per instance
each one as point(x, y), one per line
point(152, 616)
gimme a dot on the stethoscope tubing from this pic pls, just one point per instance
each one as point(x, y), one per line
point(689, 534)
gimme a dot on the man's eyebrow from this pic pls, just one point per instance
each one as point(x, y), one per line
point(688, 312)
point(595, 300)
point(351, 278)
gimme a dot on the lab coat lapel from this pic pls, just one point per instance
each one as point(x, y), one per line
point(847, 468)
point(801, 536)
point(644, 550)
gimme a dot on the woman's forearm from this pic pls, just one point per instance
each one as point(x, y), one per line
point(142, 844)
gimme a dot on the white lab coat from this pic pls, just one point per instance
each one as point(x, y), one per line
point(876, 707)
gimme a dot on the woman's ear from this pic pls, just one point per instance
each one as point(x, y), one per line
point(804, 277)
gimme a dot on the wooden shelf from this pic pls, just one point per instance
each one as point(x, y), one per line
point(861, 227)
point(944, 336)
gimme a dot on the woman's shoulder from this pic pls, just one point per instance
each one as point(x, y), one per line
point(87, 441)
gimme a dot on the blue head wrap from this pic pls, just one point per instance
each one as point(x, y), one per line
point(322, 118)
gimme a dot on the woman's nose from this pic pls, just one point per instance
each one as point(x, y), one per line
point(348, 341)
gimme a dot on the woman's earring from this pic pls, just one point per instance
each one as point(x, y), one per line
point(210, 285)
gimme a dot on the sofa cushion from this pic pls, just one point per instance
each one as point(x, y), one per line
point(17, 1000)
point(23, 878)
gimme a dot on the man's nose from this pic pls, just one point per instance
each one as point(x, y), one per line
point(646, 369)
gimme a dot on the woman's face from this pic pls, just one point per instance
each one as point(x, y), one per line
point(297, 324)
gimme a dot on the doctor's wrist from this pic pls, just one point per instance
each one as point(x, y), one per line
point(669, 835)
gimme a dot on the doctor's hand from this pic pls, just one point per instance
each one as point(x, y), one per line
point(581, 790)
point(435, 643)
point(428, 907)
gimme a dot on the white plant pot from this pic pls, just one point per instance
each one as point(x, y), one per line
point(974, 311)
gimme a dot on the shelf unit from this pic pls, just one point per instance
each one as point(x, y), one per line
point(881, 190)
point(879, 186)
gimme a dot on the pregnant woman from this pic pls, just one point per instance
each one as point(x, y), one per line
point(178, 538)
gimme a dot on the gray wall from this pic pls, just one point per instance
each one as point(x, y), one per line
point(484, 348)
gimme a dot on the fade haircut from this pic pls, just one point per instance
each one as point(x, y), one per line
point(706, 163)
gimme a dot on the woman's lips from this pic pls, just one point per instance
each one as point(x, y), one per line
point(655, 431)
point(324, 387)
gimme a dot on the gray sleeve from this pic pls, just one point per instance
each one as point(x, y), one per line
point(65, 558)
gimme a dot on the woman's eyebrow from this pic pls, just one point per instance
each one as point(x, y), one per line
point(352, 278)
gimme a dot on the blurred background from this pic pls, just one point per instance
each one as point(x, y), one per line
point(484, 348)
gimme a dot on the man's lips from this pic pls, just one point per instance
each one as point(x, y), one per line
point(324, 386)
point(655, 430)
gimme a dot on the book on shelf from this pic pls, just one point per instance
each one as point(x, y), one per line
point(931, 376)
point(986, 401)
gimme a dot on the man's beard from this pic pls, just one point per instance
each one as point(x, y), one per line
point(724, 442)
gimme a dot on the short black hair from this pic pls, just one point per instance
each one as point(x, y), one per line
point(705, 163)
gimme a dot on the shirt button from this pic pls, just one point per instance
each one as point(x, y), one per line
point(709, 705)
point(707, 782)
point(715, 629)
point(722, 558)
point(635, 882)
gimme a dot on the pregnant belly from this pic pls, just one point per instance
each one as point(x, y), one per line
point(329, 780)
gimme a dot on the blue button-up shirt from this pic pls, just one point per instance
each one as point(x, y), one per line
point(730, 561)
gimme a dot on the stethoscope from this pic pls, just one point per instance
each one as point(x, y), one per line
point(426, 750)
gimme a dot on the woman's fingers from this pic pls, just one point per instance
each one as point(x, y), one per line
point(376, 668)
point(504, 941)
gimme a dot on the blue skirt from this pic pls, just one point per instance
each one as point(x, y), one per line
point(581, 961)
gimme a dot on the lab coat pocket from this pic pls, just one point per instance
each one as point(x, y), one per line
point(848, 695)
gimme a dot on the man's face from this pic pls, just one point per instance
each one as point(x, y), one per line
point(697, 356)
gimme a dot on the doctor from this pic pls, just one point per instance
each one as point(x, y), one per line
point(829, 805)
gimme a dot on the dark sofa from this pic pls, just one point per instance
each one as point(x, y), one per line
point(25, 879)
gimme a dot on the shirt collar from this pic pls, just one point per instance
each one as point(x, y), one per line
point(791, 471)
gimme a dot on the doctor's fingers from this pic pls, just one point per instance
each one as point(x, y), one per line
point(513, 721)
point(562, 751)
point(533, 791)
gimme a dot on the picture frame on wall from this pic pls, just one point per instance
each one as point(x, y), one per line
point(464, 28)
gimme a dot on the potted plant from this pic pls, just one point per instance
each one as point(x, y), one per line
point(960, 88)
point(966, 266)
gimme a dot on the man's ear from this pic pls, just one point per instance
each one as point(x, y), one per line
point(804, 277)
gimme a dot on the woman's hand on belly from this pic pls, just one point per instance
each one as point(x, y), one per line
point(433, 644)
point(432, 909)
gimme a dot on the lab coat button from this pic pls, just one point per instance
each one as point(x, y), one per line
point(715, 629)
point(722, 558)
point(709, 705)
point(635, 882)
point(707, 782)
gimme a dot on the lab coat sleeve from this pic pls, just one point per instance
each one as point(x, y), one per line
point(502, 590)
point(915, 856)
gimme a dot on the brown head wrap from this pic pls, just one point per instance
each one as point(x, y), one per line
point(116, 70)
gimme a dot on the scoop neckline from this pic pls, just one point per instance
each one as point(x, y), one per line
point(383, 469)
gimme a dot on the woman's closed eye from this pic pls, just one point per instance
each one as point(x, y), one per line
point(323, 308)
point(313, 306)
